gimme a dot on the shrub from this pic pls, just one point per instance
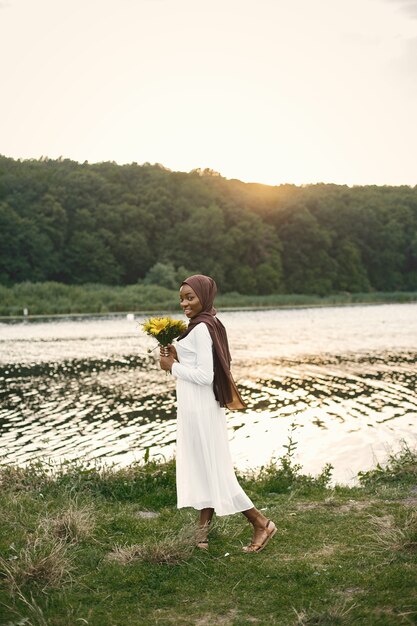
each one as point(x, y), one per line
point(283, 475)
point(401, 468)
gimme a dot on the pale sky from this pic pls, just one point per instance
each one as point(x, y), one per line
point(271, 91)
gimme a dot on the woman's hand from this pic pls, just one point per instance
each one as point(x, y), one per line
point(166, 362)
point(172, 351)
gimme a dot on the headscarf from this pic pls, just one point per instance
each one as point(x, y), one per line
point(224, 386)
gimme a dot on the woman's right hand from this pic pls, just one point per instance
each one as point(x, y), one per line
point(172, 351)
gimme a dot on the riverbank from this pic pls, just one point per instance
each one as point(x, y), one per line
point(25, 300)
point(107, 547)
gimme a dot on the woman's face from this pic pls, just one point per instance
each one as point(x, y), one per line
point(189, 301)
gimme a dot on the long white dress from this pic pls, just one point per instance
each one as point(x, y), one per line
point(205, 474)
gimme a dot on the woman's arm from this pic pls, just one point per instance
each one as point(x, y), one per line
point(202, 373)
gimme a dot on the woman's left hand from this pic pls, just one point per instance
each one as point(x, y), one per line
point(166, 362)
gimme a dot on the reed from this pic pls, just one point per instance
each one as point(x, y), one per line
point(51, 298)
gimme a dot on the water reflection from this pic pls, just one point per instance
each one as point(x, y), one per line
point(94, 391)
point(85, 407)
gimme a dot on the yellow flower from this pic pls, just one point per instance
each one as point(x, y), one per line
point(159, 324)
point(164, 329)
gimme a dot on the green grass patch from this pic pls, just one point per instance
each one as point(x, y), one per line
point(51, 298)
point(89, 544)
point(399, 470)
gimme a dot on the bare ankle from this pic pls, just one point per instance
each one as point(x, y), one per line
point(260, 521)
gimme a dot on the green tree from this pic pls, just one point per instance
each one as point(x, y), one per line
point(268, 279)
point(88, 260)
point(162, 274)
point(351, 274)
point(62, 220)
point(308, 265)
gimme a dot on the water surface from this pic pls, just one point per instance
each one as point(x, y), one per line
point(88, 388)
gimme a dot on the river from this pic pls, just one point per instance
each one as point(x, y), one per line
point(87, 388)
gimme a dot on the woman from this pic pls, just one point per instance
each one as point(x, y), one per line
point(201, 364)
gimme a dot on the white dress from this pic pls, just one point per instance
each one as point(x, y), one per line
point(205, 474)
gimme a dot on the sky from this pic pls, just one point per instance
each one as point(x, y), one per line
point(269, 91)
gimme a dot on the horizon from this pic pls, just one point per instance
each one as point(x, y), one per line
point(62, 158)
point(269, 92)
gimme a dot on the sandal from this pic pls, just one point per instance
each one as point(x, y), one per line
point(202, 536)
point(270, 529)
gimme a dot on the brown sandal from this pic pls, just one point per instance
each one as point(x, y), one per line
point(257, 547)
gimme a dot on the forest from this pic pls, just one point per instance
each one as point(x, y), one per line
point(78, 223)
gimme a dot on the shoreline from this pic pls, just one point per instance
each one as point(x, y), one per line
point(224, 308)
point(52, 468)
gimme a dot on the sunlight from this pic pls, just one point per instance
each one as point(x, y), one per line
point(304, 97)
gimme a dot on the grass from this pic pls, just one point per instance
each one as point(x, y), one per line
point(51, 298)
point(390, 536)
point(106, 546)
point(169, 549)
point(41, 561)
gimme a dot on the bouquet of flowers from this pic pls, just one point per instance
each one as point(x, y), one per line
point(164, 329)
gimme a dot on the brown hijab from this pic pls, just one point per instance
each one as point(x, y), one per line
point(224, 386)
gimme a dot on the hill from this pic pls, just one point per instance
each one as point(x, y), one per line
point(106, 223)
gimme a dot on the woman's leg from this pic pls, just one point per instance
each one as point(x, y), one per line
point(204, 524)
point(263, 528)
point(205, 521)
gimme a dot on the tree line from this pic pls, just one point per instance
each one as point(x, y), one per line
point(79, 223)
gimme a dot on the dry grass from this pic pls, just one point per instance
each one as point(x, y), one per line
point(179, 617)
point(390, 536)
point(229, 619)
point(125, 554)
point(42, 561)
point(333, 616)
point(170, 549)
point(73, 524)
point(333, 504)
point(325, 552)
